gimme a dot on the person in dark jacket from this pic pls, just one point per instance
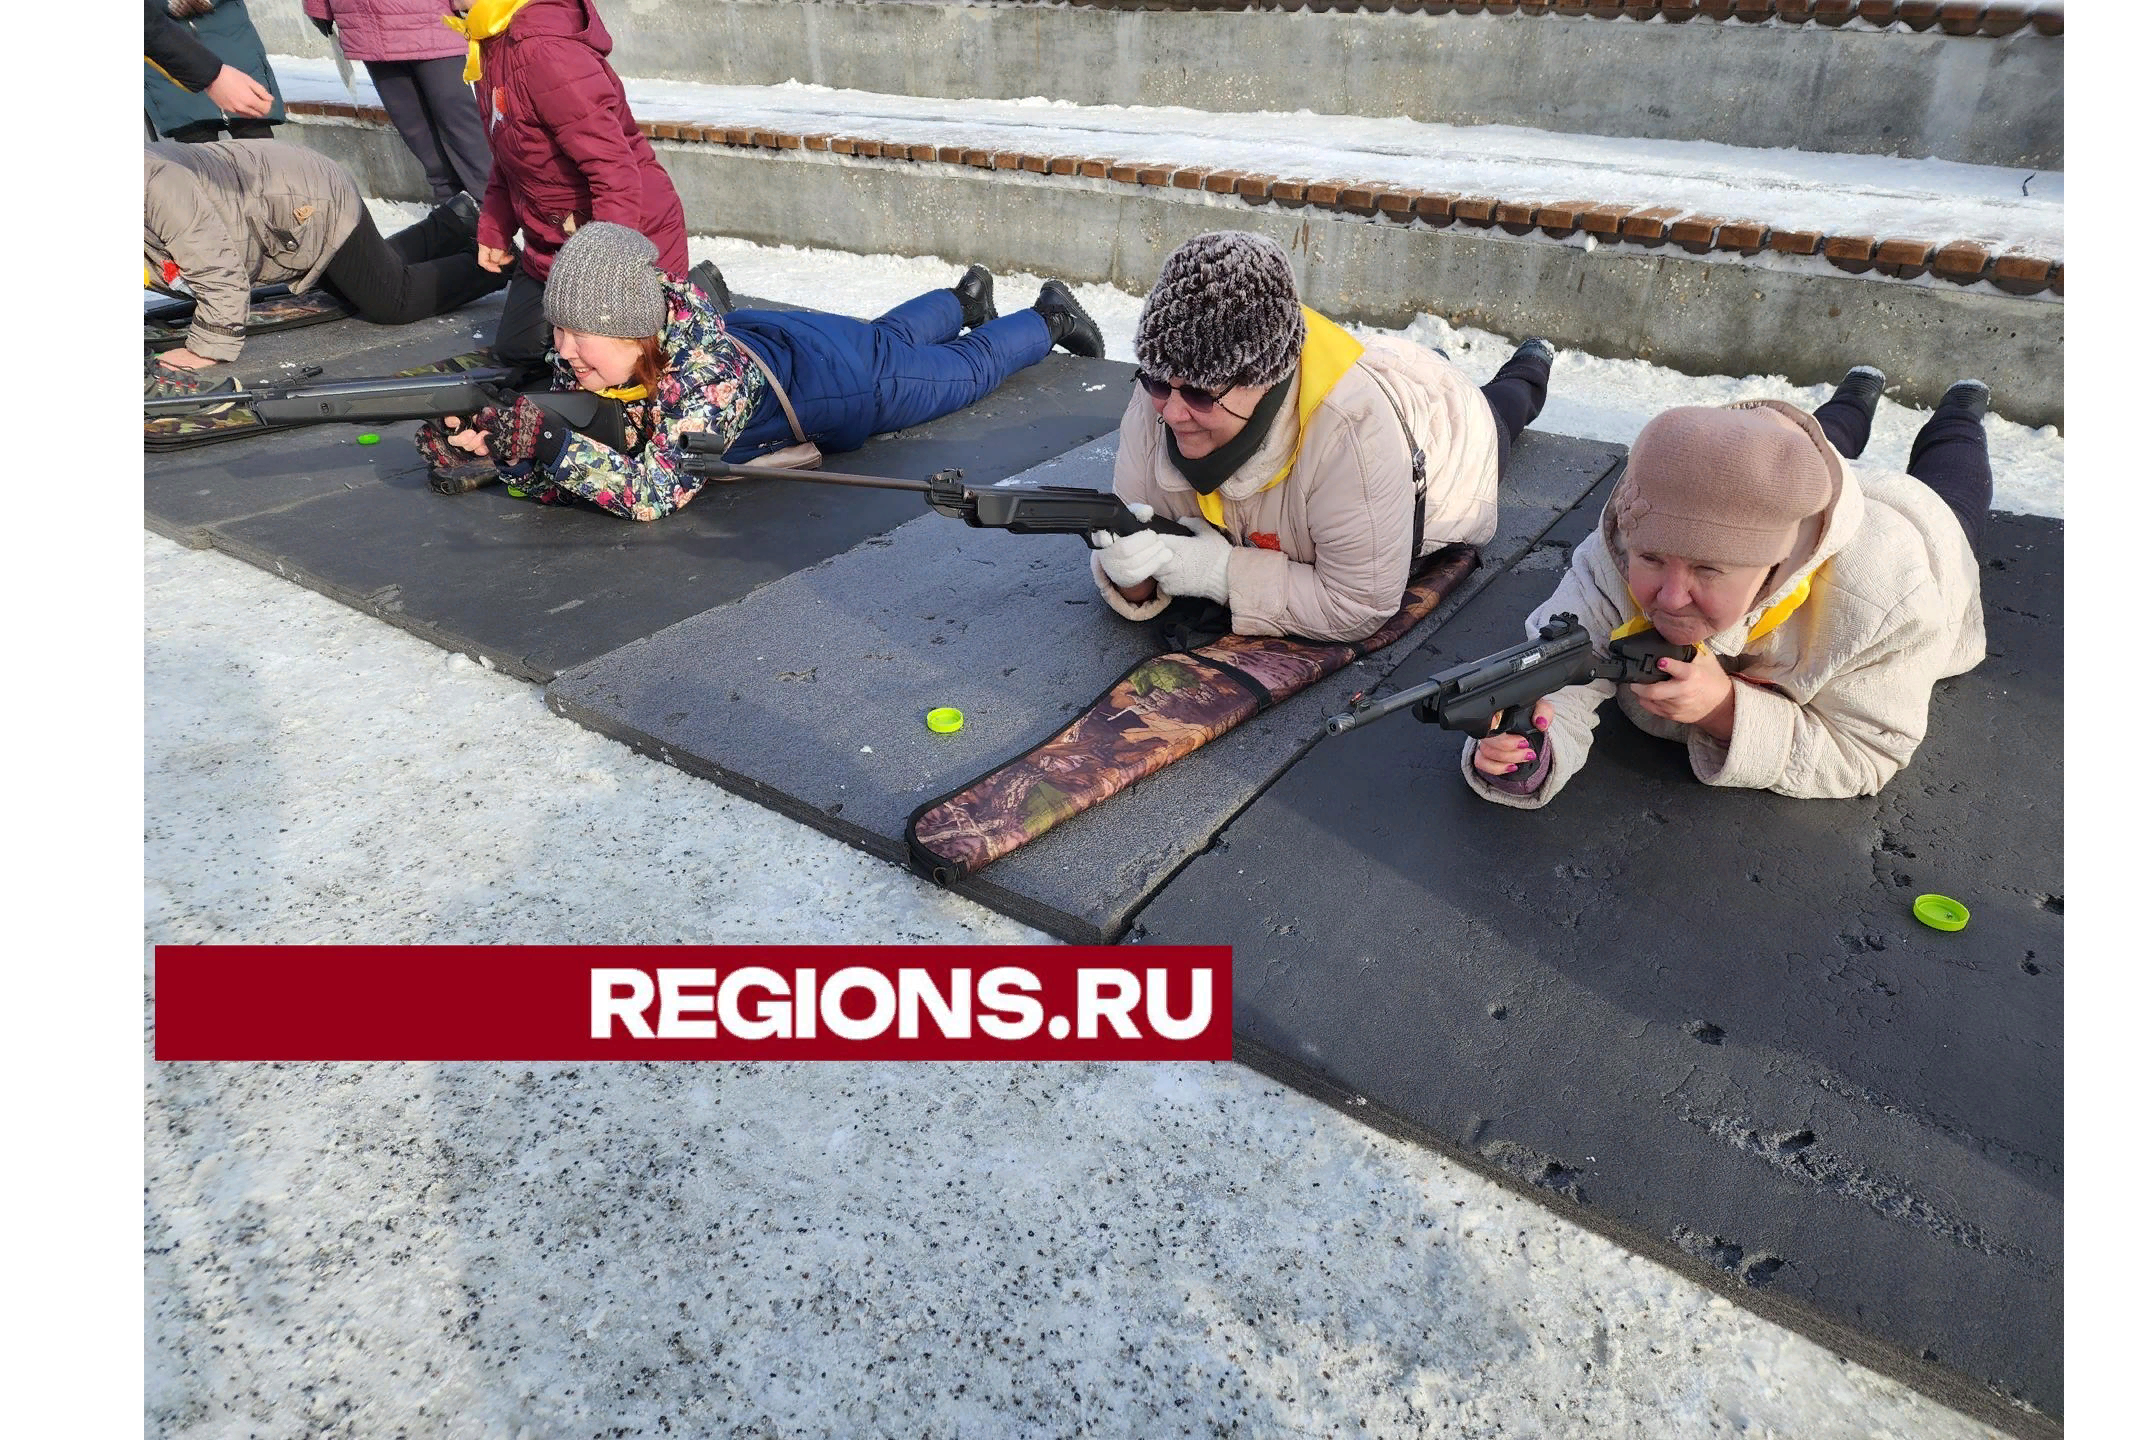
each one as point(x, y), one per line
point(658, 350)
point(566, 151)
point(414, 61)
point(178, 53)
point(225, 28)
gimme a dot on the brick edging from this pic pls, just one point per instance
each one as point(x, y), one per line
point(1951, 17)
point(1962, 262)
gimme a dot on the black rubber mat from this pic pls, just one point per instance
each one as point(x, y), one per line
point(1705, 1020)
point(810, 695)
point(534, 589)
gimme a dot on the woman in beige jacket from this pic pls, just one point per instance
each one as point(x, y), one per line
point(1826, 600)
point(1314, 469)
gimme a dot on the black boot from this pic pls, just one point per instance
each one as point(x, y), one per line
point(1862, 387)
point(1966, 397)
point(707, 278)
point(464, 214)
point(974, 290)
point(1071, 327)
point(1537, 348)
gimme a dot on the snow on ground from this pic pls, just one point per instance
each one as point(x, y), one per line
point(1794, 189)
point(531, 1251)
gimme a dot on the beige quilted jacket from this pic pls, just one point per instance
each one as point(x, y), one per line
point(1833, 701)
point(1324, 554)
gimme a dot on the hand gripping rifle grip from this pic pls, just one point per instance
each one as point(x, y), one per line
point(1127, 523)
point(1521, 720)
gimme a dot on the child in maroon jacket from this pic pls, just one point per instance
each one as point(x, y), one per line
point(567, 151)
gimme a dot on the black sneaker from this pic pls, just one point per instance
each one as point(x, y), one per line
point(707, 278)
point(1071, 327)
point(974, 290)
point(1862, 387)
point(1966, 397)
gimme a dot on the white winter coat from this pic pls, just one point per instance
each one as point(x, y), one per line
point(1833, 701)
point(1324, 554)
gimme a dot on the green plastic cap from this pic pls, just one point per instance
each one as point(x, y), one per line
point(943, 721)
point(366, 439)
point(1940, 912)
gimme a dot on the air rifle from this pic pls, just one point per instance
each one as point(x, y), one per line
point(380, 400)
point(1497, 692)
point(1018, 509)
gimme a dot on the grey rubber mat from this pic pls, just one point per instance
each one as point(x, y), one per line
point(1705, 1020)
point(533, 588)
point(810, 694)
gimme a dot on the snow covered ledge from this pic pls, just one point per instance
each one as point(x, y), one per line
point(1721, 313)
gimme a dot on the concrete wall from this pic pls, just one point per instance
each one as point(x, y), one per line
point(1804, 320)
point(1857, 91)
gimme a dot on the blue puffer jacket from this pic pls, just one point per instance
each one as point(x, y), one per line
point(828, 366)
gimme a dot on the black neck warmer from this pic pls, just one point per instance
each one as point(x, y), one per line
point(1207, 473)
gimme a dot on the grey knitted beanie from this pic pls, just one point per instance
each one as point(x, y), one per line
point(1224, 312)
point(606, 281)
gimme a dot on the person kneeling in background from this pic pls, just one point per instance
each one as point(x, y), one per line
point(231, 214)
point(658, 352)
point(1315, 469)
point(1825, 600)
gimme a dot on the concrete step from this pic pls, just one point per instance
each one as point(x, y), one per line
point(1723, 293)
point(1973, 82)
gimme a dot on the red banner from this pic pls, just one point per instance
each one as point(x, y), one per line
point(691, 1002)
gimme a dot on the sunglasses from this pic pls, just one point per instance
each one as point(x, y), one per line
point(1199, 402)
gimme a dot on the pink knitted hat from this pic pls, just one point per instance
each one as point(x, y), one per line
point(1728, 486)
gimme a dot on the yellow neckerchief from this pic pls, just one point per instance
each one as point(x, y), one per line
point(1775, 614)
point(1328, 353)
point(623, 392)
point(484, 21)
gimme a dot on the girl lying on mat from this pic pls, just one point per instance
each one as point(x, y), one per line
point(1826, 600)
point(764, 381)
point(1316, 470)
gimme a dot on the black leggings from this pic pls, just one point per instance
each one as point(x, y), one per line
point(1949, 454)
point(426, 269)
point(1516, 395)
point(523, 335)
point(205, 132)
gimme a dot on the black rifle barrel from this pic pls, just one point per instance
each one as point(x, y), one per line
point(718, 468)
point(1389, 705)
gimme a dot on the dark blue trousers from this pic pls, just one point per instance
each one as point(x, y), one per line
point(1949, 454)
point(852, 379)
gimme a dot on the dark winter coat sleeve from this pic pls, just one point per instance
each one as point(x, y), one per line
point(570, 105)
point(499, 214)
point(173, 49)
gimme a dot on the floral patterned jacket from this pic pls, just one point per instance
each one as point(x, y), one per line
point(708, 385)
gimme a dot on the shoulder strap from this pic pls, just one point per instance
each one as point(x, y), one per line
point(1420, 461)
point(791, 416)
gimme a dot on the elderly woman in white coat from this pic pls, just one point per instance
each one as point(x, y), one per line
point(1315, 470)
point(1825, 599)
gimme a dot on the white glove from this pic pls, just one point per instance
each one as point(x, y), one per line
point(1130, 559)
point(1198, 565)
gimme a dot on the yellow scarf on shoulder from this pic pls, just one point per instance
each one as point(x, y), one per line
point(1773, 617)
point(1328, 353)
point(485, 21)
